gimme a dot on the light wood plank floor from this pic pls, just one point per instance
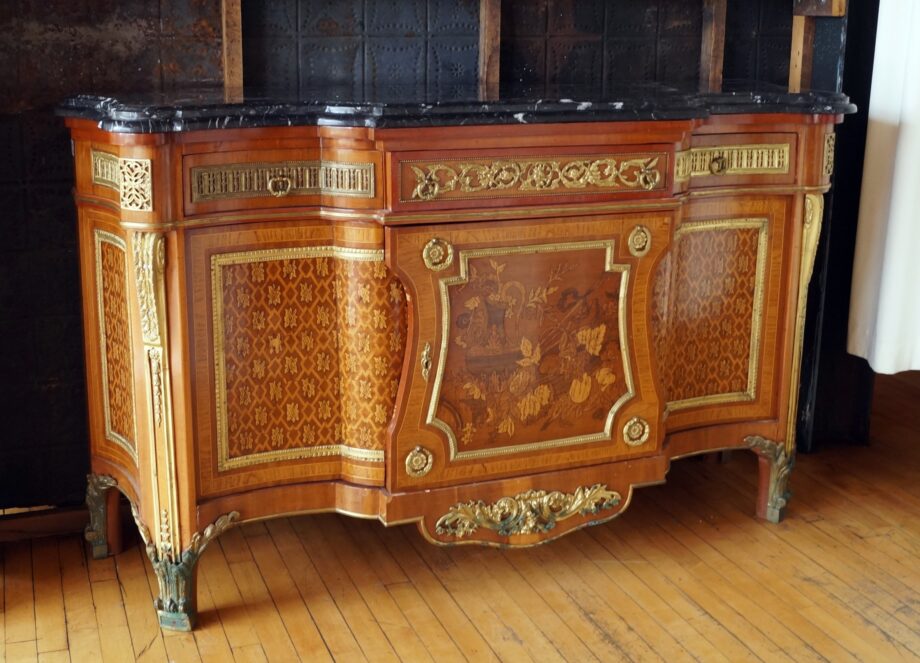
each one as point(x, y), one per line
point(685, 574)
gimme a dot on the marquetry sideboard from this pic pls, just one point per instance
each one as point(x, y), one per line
point(494, 322)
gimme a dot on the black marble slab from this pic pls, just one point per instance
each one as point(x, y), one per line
point(194, 110)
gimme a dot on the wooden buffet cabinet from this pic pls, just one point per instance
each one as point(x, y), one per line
point(494, 331)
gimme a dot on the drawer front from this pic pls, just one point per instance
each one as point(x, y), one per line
point(232, 181)
point(529, 347)
point(737, 159)
point(494, 178)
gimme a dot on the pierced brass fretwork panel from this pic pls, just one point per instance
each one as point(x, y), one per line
point(765, 159)
point(299, 178)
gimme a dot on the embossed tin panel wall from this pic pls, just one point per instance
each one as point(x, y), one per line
point(601, 42)
point(758, 39)
point(425, 45)
point(49, 50)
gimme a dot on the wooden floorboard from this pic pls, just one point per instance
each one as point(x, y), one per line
point(686, 574)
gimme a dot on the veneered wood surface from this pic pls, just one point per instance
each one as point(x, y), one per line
point(507, 351)
point(195, 234)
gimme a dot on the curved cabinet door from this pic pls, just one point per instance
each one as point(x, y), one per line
point(528, 347)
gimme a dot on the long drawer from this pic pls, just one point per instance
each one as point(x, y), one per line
point(461, 179)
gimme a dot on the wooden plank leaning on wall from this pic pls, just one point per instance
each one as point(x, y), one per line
point(232, 28)
point(803, 38)
point(490, 32)
point(712, 53)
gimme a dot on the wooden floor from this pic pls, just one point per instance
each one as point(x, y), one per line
point(685, 574)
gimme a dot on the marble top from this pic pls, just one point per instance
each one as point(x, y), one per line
point(198, 109)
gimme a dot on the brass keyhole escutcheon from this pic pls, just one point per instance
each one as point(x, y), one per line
point(718, 165)
point(425, 361)
point(419, 462)
point(279, 185)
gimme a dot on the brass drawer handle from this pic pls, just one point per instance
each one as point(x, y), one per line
point(279, 185)
point(718, 165)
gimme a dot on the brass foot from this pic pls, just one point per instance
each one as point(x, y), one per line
point(775, 465)
point(177, 603)
point(177, 574)
point(98, 487)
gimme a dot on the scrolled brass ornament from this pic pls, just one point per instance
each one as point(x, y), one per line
point(419, 462)
point(433, 180)
point(636, 432)
point(640, 241)
point(438, 254)
point(530, 512)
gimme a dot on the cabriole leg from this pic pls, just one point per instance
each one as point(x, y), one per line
point(104, 529)
point(774, 466)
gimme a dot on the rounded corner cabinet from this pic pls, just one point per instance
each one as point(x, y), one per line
point(494, 320)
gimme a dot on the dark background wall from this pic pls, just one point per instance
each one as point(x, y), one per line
point(53, 48)
point(601, 42)
point(427, 46)
point(50, 49)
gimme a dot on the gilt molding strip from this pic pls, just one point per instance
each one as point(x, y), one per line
point(252, 180)
point(811, 233)
point(149, 251)
point(444, 285)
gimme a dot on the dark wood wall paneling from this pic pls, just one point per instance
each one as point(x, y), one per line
point(428, 46)
point(50, 49)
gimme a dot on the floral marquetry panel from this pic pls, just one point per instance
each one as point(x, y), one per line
point(115, 345)
point(531, 344)
point(535, 355)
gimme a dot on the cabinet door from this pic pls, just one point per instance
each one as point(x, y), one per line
point(528, 347)
point(729, 310)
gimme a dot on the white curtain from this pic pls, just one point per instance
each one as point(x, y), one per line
point(885, 302)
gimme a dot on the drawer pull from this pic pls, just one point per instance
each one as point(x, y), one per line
point(279, 185)
point(419, 462)
point(718, 165)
